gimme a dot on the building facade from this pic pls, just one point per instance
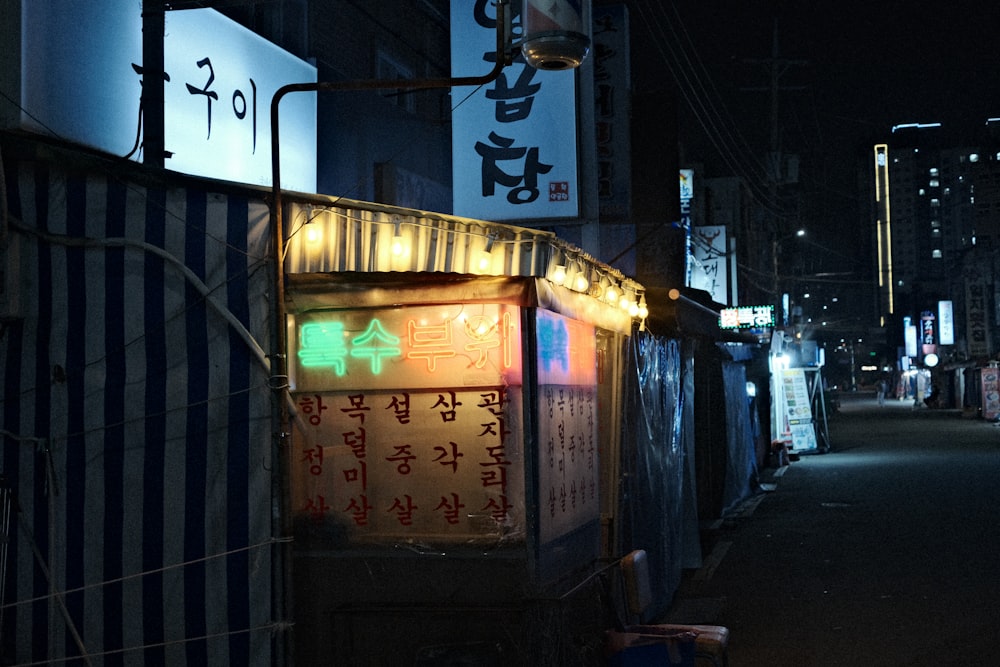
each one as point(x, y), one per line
point(935, 217)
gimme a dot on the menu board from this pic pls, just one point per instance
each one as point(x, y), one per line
point(412, 425)
point(433, 467)
point(567, 425)
point(798, 409)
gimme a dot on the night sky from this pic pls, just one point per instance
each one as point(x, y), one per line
point(869, 65)
point(859, 68)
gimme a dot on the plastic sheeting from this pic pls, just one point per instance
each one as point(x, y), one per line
point(741, 461)
point(654, 461)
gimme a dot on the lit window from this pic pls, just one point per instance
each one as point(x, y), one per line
point(935, 183)
point(934, 171)
point(936, 254)
point(974, 157)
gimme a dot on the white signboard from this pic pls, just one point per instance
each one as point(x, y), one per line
point(709, 267)
point(946, 323)
point(514, 148)
point(218, 103)
point(81, 64)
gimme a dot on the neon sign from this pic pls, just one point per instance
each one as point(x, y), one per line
point(375, 344)
point(746, 317)
point(424, 346)
point(567, 350)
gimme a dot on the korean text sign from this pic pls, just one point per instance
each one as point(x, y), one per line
point(418, 347)
point(82, 80)
point(439, 466)
point(514, 140)
point(567, 424)
point(412, 424)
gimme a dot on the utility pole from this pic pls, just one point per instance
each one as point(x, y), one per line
point(153, 77)
point(776, 66)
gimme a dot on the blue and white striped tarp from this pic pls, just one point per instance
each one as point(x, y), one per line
point(135, 421)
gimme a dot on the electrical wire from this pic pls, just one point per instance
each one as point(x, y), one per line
point(717, 129)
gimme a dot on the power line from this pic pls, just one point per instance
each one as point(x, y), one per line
point(726, 141)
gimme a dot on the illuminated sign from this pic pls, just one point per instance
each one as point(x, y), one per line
point(746, 317)
point(514, 152)
point(428, 466)
point(927, 332)
point(81, 69)
point(708, 257)
point(567, 350)
point(687, 195)
point(413, 429)
point(567, 424)
point(217, 103)
point(798, 409)
point(946, 323)
point(414, 347)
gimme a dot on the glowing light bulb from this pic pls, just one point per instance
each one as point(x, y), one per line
point(559, 274)
point(398, 246)
point(483, 261)
point(580, 284)
point(313, 234)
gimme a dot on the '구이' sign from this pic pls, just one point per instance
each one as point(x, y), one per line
point(82, 81)
point(514, 140)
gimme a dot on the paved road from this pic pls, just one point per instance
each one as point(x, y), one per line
point(884, 552)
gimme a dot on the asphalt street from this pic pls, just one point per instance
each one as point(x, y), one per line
point(883, 552)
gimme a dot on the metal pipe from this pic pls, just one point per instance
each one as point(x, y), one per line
point(153, 75)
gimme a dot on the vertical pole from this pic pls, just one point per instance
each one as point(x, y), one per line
point(153, 75)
